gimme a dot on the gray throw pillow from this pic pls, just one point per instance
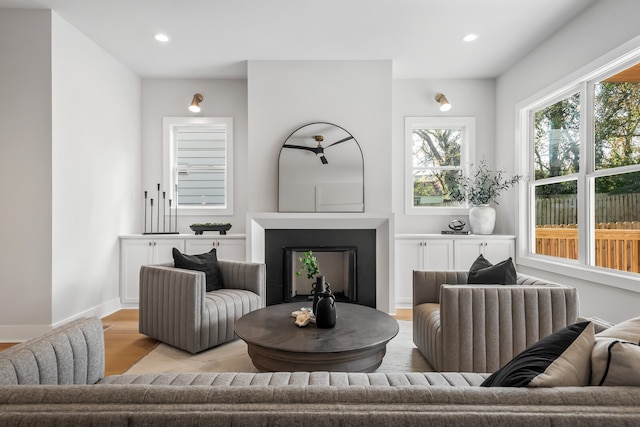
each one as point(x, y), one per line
point(207, 263)
point(483, 272)
point(615, 363)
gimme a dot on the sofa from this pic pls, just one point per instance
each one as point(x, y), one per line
point(58, 380)
point(480, 327)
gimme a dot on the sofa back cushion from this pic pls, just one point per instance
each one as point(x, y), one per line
point(70, 354)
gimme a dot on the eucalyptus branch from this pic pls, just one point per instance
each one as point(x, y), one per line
point(483, 186)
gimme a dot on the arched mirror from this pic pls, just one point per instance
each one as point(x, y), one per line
point(321, 169)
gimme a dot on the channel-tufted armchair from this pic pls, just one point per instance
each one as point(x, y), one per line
point(176, 309)
point(479, 328)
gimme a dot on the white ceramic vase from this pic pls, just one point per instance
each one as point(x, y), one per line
point(482, 219)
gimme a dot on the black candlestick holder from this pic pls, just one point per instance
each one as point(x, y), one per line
point(161, 204)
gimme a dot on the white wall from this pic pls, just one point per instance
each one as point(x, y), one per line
point(96, 172)
point(284, 95)
point(599, 30)
point(171, 98)
point(416, 98)
point(25, 172)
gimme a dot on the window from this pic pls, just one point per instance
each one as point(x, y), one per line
point(198, 164)
point(584, 169)
point(436, 148)
point(556, 163)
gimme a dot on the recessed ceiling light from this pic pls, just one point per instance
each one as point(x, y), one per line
point(161, 37)
point(470, 37)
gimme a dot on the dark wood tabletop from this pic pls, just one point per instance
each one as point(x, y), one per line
point(357, 327)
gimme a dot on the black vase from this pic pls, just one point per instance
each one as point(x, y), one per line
point(326, 310)
point(319, 287)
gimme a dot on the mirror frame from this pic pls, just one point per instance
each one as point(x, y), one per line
point(361, 161)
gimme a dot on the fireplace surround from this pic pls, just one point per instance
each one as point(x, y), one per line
point(380, 225)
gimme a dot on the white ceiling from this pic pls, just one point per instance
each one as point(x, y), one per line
point(215, 38)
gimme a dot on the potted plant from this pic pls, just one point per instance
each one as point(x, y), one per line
point(479, 189)
point(310, 266)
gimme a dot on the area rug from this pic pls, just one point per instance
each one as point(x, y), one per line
point(401, 356)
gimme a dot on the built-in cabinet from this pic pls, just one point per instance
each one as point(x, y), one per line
point(139, 250)
point(442, 252)
point(232, 249)
point(493, 249)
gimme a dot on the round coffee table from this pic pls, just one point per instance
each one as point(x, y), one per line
point(357, 343)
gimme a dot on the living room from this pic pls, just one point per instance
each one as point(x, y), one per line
point(89, 132)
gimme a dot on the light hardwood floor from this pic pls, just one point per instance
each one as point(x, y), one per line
point(124, 345)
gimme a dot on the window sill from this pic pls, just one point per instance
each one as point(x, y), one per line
point(437, 211)
point(574, 270)
point(205, 211)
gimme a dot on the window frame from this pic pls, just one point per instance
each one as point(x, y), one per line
point(584, 82)
point(169, 124)
point(467, 154)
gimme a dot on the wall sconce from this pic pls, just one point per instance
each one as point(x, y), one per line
point(195, 103)
point(444, 102)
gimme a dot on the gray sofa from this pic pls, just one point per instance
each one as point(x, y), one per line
point(57, 380)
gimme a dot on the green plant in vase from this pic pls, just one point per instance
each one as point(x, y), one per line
point(481, 187)
point(309, 265)
point(311, 268)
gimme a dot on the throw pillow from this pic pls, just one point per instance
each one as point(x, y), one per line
point(208, 263)
point(561, 359)
point(615, 363)
point(629, 330)
point(483, 272)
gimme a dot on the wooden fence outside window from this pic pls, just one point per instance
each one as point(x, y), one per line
point(617, 244)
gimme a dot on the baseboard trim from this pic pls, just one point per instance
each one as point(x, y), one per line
point(21, 333)
point(98, 311)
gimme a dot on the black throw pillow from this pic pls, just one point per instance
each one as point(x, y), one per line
point(483, 272)
point(208, 263)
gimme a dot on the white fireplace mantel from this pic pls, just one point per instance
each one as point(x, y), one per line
point(258, 222)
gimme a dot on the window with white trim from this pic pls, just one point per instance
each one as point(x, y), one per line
point(584, 171)
point(198, 166)
point(436, 148)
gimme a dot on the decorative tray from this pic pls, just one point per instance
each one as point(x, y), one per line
point(200, 228)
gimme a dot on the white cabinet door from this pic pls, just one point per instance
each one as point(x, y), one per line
point(494, 250)
point(230, 249)
point(416, 254)
point(199, 246)
point(437, 255)
point(163, 250)
point(135, 253)
point(409, 257)
point(466, 251)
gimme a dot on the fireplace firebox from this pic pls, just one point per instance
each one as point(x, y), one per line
point(337, 265)
point(347, 258)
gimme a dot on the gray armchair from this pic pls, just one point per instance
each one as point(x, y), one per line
point(176, 309)
point(479, 328)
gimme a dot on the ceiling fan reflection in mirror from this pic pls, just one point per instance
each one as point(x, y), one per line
point(333, 184)
point(319, 149)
